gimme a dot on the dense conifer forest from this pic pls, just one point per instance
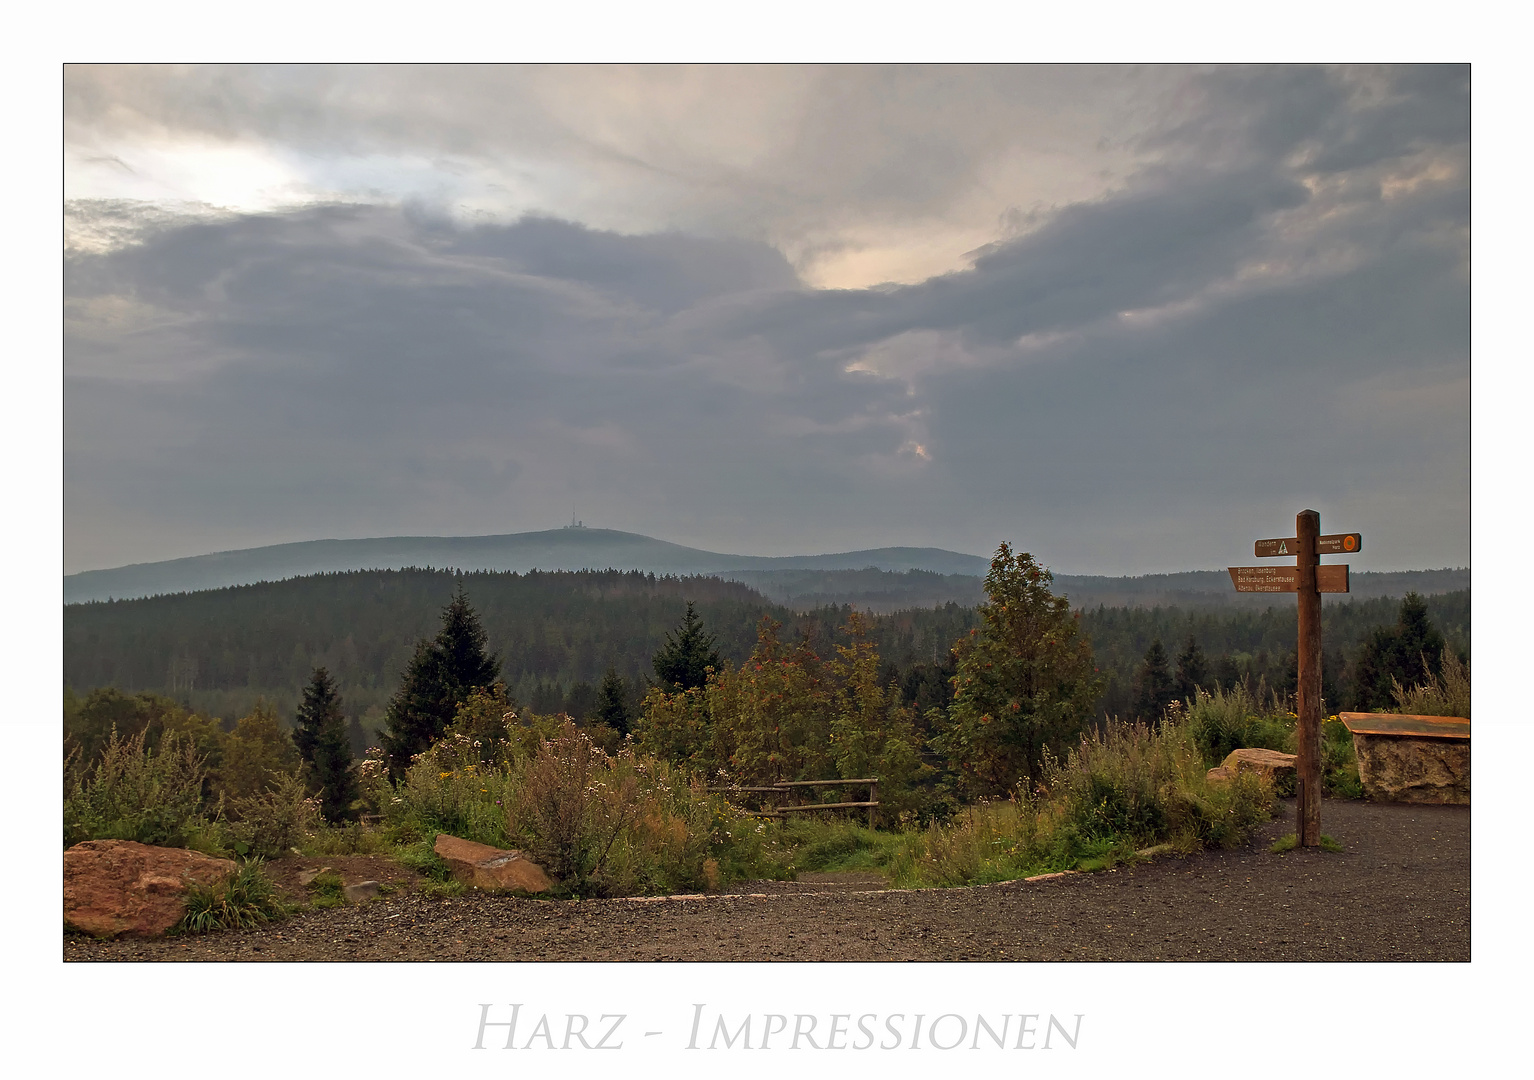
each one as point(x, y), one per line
point(556, 634)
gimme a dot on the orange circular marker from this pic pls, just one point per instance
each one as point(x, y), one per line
point(1349, 543)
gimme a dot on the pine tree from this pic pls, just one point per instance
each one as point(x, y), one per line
point(441, 674)
point(682, 663)
point(1192, 670)
point(1154, 689)
point(612, 704)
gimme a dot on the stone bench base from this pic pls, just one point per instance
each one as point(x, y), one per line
point(1396, 768)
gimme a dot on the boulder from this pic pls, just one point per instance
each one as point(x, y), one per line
point(362, 890)
point(114, 887)
point(485, 867)
point(1271, 765)
point(306, 877)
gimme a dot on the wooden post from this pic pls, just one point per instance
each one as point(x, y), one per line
point(1307, 529)
point(873, 796)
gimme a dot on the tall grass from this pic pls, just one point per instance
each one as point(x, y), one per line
point(138, 793)
point(1224, 720)
point(244, 901)
point(1447, 694)
point(1121, 789)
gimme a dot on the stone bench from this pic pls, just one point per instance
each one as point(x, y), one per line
point(1407, 758)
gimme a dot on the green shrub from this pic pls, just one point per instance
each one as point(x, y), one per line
point(135, 793)
point(1226, 720)
point(420, 857)
point(601, 824)
point(1339, 765)
point(446, 789)
point(830, 844)
point(269, 823)
point(574, 803)
point(246, 900)
point(624, 824)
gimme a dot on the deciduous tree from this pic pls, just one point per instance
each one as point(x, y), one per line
point(1025, 681)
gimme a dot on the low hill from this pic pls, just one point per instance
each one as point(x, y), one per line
point(554, 549)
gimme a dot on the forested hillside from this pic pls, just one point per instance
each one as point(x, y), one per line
point(557, 633)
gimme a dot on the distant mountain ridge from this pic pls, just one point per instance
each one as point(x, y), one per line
point(578, 548)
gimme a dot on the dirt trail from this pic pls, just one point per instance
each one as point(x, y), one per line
point(1400, 890)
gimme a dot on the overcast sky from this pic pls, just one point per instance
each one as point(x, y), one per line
point(1127, 319)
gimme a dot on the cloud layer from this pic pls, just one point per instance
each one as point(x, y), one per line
point(1266, 308)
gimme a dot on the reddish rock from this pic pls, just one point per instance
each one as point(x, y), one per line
point(114, 887)
point(485, 867)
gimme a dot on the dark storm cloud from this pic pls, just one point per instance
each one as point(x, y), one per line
point(1278, 318)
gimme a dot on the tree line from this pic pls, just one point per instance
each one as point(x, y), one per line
point(567, 641)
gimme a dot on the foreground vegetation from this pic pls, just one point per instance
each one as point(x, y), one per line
point(1012, 777)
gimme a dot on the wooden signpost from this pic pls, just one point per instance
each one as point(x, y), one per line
point(1308, 580)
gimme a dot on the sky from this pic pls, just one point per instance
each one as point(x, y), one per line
point(1129, 319)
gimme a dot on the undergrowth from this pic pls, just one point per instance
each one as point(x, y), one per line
point(1447, 694)
point(244, 901)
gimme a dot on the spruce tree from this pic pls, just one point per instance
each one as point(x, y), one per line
point(1192, 670)
point(612, 704)
point(1227, 675)
point(333, 773)
point(1410, 652)
point(319, 705)
point(441, 674)
point(682, 662)
point(1154, 689)
point(324, 746)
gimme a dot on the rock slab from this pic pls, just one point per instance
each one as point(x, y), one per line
point(114, 887)
point(484, 867)
point(362, 890)
point(1272, 765)
point(1409, 770)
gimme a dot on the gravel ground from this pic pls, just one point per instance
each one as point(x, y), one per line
point(1400, 890)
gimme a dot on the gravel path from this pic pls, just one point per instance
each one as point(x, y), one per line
point(1400, 890)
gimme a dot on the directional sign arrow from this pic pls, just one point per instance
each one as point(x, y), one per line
point(1335, 544)
point(1329, 579)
